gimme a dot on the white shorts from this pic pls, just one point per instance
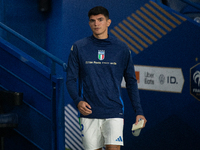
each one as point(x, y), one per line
point(97, 133)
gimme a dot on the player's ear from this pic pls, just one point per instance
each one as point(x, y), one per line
point(108, 22)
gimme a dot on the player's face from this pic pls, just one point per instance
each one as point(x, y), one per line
point(99, 26)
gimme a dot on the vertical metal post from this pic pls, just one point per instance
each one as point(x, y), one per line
point(58, 139)
point(60, 114)
point(53, 117)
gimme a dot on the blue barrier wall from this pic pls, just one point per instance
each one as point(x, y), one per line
point(172, 114)
point(25, 18)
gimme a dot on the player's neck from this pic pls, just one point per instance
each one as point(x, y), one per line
point(101, 36)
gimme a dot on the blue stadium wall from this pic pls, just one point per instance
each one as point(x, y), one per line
point(165, 49)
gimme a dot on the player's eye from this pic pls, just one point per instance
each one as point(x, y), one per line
point(91, 20)
point(100, 19)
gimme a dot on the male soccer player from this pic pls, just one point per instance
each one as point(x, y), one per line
point(99, 62)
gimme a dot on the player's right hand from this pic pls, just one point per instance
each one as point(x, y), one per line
point(84, 108)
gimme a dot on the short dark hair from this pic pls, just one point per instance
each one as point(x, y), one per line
point(98, 10)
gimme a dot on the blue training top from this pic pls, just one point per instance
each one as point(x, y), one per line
point(99, 65)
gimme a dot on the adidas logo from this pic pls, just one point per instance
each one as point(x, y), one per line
point(119, 139)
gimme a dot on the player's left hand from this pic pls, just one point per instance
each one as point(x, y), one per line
point(138, 117)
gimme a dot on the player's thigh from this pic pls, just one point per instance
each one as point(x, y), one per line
point(91, 134)
point(112, 130)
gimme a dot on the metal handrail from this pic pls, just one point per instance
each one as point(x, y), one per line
point(21, 37)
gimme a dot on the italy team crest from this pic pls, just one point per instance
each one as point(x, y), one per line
point(101, 54)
